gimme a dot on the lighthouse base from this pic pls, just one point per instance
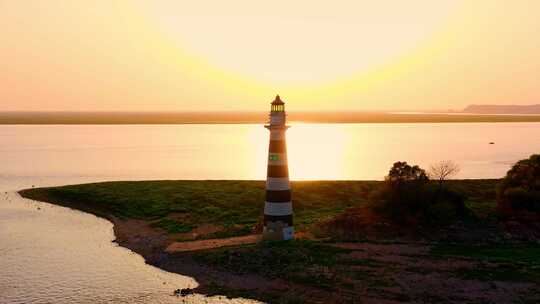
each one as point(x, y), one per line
point(278, 232)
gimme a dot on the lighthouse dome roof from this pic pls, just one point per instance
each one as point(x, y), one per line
point(278, 101)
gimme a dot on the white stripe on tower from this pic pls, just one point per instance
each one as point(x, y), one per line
point(277, 209)
point(277, 183)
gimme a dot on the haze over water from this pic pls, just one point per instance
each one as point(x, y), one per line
point(316, 151)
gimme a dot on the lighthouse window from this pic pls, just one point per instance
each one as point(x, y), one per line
point(278, 108)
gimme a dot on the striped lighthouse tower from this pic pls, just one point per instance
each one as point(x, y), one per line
point(278, 214)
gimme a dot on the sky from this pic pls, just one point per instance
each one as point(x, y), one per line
point(341, 55)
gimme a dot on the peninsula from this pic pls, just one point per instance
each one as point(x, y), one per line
point(209, 230)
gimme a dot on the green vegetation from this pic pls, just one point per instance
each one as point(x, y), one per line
point(490, 253)
point(480, 195)
point(495, 262)
point(214, 288)
point(180, 206)
point(519, 191)
point(385, 269)
point(173, 226)
point(500, 272)
point(298, 261)
point(332, 269)
point(408, 196)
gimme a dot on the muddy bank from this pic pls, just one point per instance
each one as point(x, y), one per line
point(155, 246)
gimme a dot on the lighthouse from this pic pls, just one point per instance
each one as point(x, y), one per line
point(278, 213)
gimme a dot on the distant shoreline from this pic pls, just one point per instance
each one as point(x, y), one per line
point(130, 118)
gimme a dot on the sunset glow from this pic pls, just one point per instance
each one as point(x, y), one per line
point(245, 152)
point(186, 56)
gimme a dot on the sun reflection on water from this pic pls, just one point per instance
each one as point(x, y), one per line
point(316, 151)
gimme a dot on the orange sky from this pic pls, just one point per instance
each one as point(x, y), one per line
point(235, 55)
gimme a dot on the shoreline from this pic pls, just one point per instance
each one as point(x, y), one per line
point(152, 247)
point(412, 257)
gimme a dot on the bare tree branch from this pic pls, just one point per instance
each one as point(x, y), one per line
point(443, 170)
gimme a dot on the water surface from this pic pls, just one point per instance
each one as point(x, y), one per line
point(316, 151)
point(51, 254)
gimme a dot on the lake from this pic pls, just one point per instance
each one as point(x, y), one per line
point(51, 254)
point(316, 151)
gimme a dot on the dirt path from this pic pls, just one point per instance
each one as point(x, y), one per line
point(212, 243)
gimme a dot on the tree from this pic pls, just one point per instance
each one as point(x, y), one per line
point(403, 173)
point(403, 191)
point(442, 171)
point(408, 196)
point(519, 192)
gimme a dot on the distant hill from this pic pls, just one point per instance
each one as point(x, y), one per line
point(503, 109)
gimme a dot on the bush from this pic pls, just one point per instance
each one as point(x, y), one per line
point(408, 196)
point(518, 195)
point(445, 206)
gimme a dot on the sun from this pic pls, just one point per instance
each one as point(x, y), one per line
point(300, 42)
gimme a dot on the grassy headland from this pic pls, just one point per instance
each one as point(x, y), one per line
point(153, 214)
point(181, 206)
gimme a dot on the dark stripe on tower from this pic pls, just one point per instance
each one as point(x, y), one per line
point(282, 218)
point(278, 196)
point(278, 171)
point(278, 146)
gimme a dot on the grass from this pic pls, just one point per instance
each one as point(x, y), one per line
point(509, 273)
point(299, 261)
point(481, 195)
point(529, 254)
point(496, 262)
point(216, 289)
point(235, 205)
point(173, 226)
point(180, 206)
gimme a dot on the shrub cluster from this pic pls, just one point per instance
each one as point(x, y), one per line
point(519, 192)
point(408, 196)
